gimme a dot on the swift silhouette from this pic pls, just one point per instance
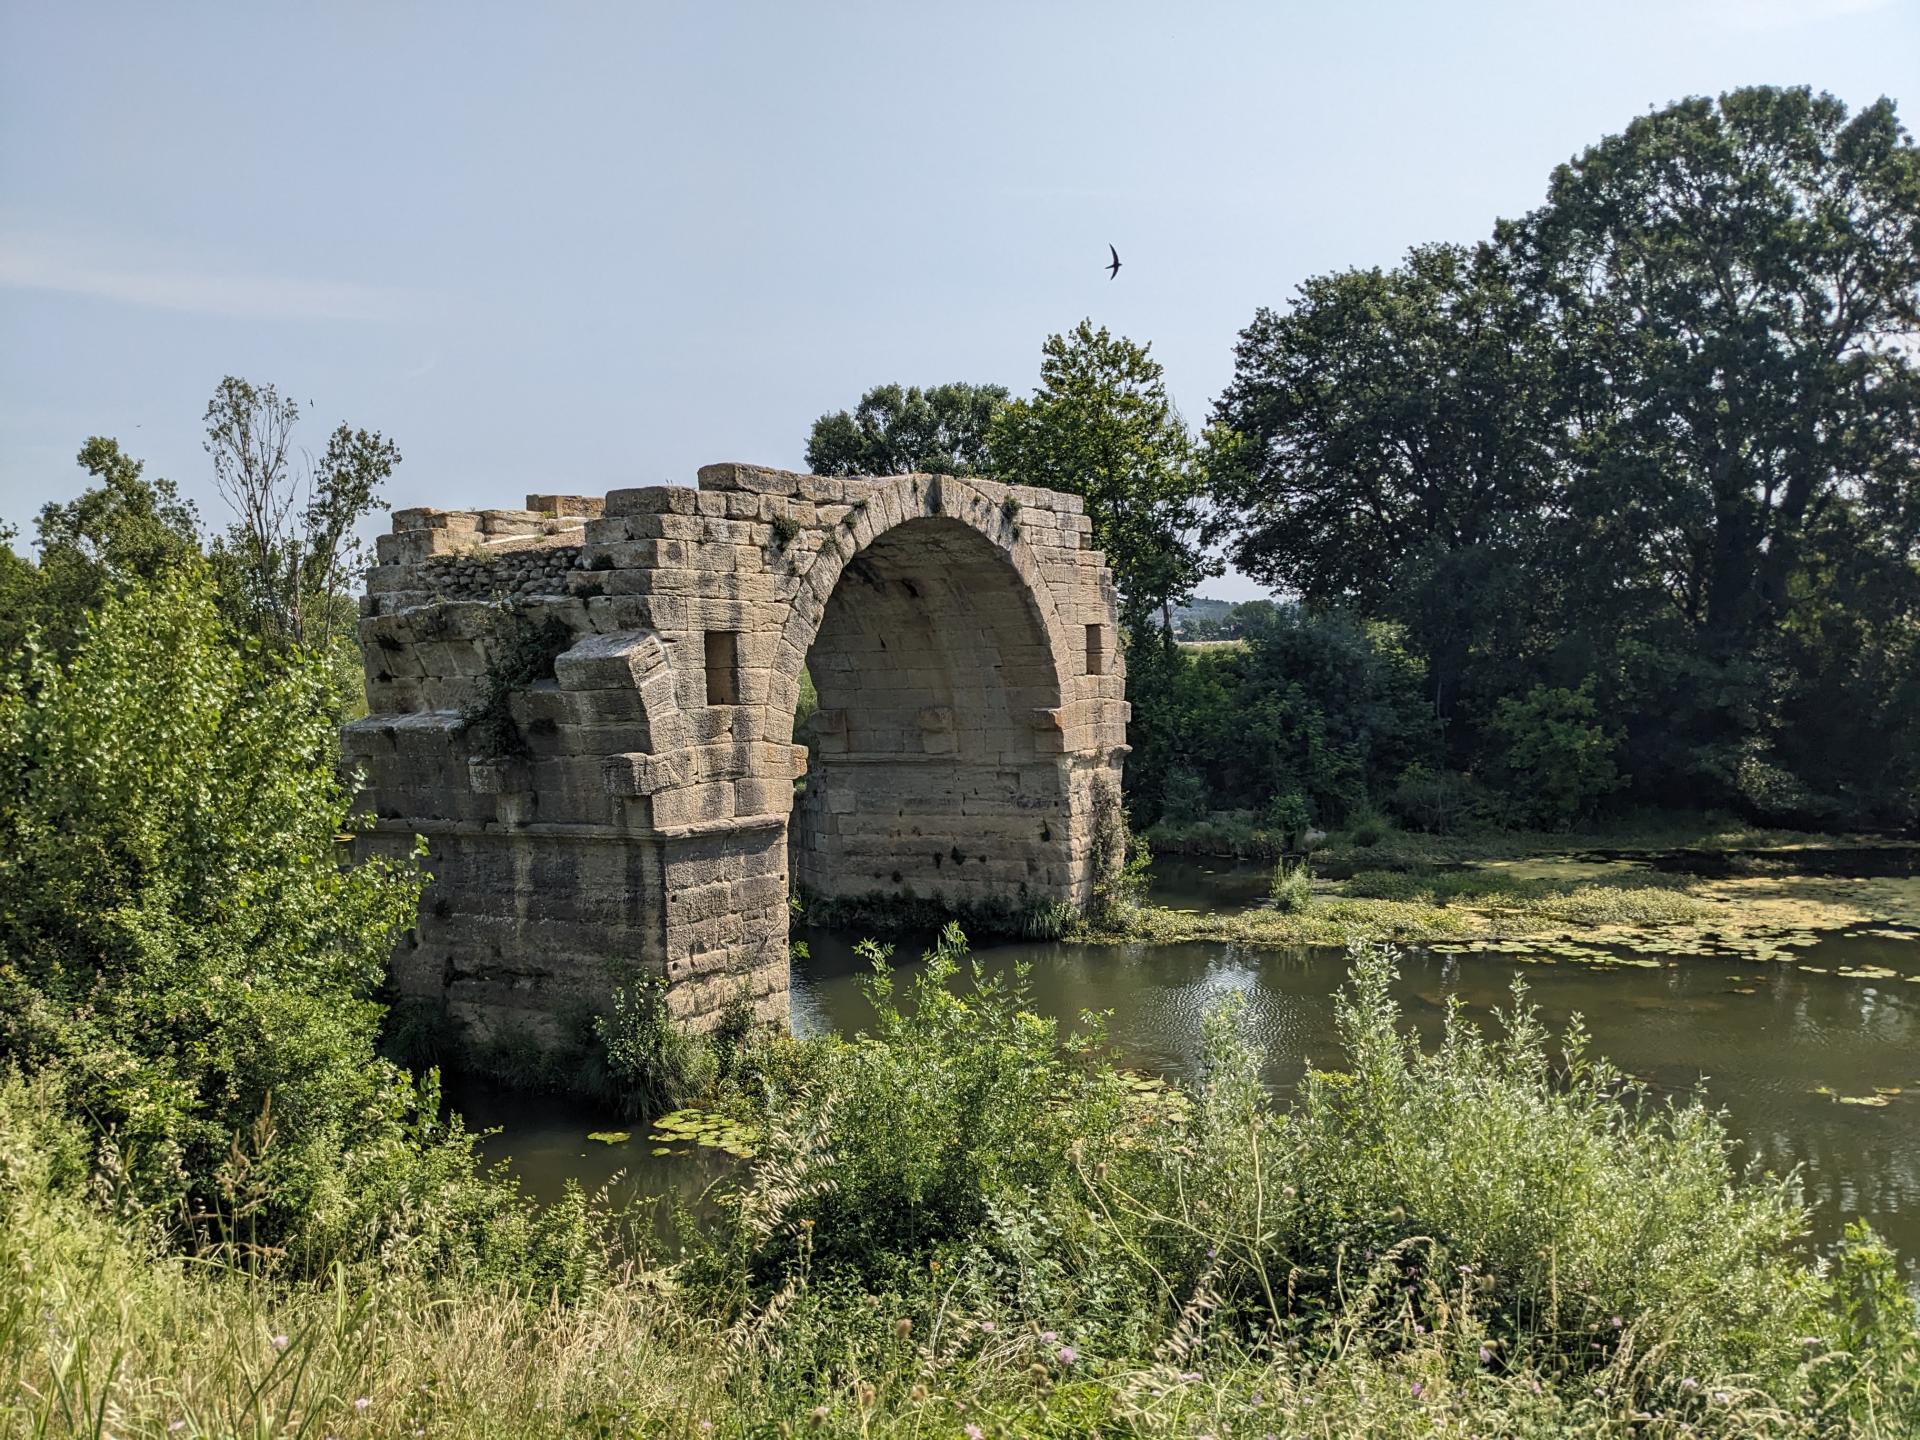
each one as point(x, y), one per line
point(1113, 270)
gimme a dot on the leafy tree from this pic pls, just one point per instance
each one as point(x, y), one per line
point(1559, 757)
point(894, 431)
point(1734, 286)
point(1663, 433)
point(179, 933)
point(1102, 426)
point(1393, 449)
point(288, 562)
point(125, 530)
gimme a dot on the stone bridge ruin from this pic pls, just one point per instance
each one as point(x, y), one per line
point(586, 708)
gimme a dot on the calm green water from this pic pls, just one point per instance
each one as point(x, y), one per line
point(1761, 1056)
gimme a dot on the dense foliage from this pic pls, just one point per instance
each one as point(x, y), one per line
point(1303, 719)
point(898, 430)
point(183, 953)
point(1656, 443)
point(1102, 426)
point(965, 1221)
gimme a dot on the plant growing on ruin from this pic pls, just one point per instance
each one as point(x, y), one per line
point(520, 651)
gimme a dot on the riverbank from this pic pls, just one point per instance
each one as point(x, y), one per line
point(965, 1224)
point(1677, 888)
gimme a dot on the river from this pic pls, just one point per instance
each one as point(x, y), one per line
point(1779, 1047)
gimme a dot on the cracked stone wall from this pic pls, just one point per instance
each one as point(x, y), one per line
point(961, 635)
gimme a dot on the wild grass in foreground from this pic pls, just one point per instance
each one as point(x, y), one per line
point(966, 1222)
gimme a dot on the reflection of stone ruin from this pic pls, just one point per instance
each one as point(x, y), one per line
point(961, 634)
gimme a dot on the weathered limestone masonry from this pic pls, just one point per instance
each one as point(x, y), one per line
point(961, 635)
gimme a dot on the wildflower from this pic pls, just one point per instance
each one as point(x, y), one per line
point(903, 1327)
point(1689, 1383)
point(279, 1342)
point(973, 1432)
point(1049, 1336)
point(1617, 1322)
point(1486, 1356)
point(1466, 1270)
point(1212, 1254)
point(362, 1403)
point(173, 1425)
point(1257, 1398)
point(1417, 1389)
point(1067, 1355)
point(987, 1327)
point(1189, 1376)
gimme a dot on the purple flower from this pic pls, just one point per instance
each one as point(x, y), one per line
point(973, 1432)
point(1067, 1355)
point(279, 1342)
point(1417, 1389)
point(362, 1403)
point(1616, 1322)
point(1049, 1336)
point(1189, 1375)
point(987, 1327)
point(1486, 1356)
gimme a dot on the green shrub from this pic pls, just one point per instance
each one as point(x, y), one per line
point(1439, 802)
point(1559, 758)
point(1291, 889)
point(654, 1063)
point(186, 961)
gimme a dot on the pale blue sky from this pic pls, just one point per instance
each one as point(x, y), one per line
point(571, 247)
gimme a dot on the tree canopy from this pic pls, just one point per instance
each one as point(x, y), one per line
point(1102, 426)
point(1656, 443)
point(897, 430)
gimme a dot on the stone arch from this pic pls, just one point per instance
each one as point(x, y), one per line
point(891, 505)
point(646, 826)
point(941, 664)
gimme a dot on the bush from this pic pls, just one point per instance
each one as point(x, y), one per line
point(186, 960)
point(1291, 888)
point(1559, 759)
point(654, 1064)
point(1439, 802)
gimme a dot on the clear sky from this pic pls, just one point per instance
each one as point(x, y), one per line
point(572, 247)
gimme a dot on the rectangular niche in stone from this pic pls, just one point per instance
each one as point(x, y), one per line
point(1096, 651)
point(723, 667)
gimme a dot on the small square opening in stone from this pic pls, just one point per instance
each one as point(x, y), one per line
point(1096, 650)
point(723, 667)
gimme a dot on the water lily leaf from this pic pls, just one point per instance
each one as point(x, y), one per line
point(611, 1137)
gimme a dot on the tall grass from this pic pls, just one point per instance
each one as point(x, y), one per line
point(965, 1221)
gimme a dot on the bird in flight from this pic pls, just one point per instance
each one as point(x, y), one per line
point(1113, 270)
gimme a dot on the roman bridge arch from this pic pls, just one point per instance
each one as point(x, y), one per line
point(586, 708)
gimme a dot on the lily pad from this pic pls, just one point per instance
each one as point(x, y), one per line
point(611, 1137)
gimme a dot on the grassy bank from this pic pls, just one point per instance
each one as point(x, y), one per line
point(1590, 892)
point(966, 1223)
